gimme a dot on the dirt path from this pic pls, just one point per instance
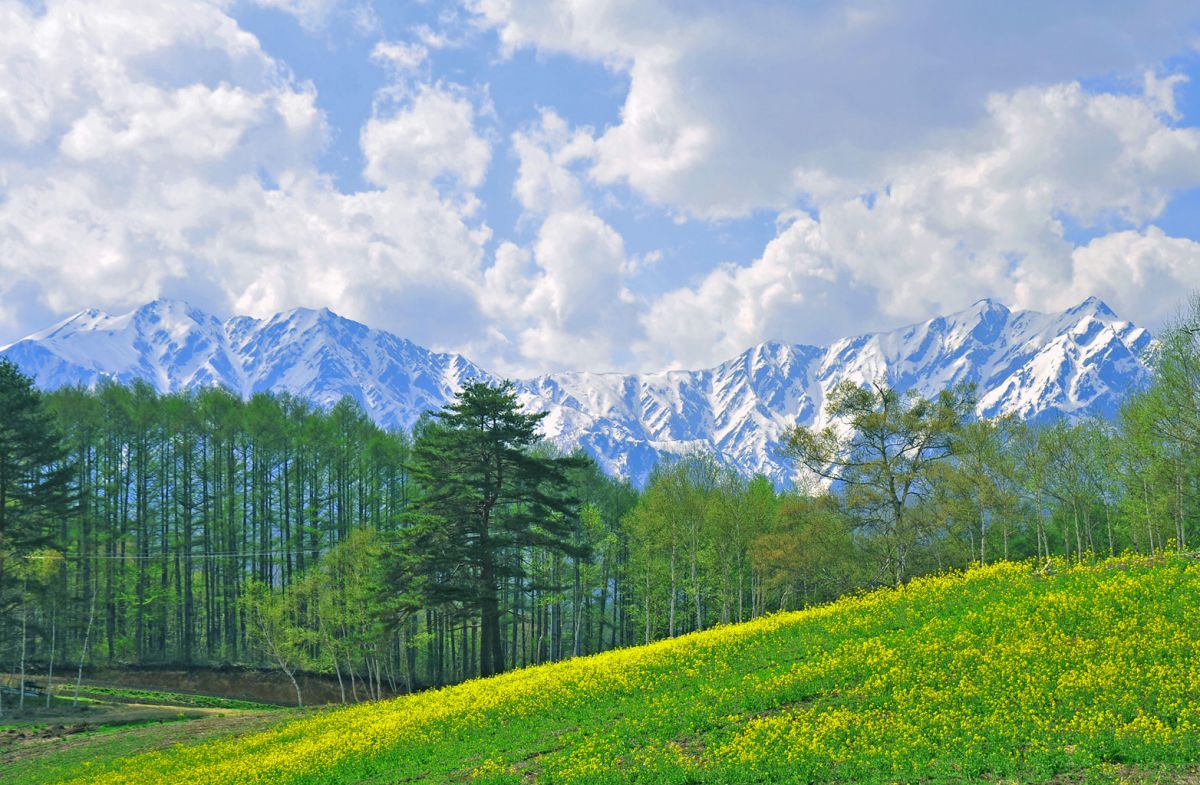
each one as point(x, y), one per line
point(54, 750)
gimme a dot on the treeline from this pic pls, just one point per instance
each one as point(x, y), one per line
point(198, 528)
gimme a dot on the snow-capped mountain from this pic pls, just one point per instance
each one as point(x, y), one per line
point(1081, 361)
point(315, 354)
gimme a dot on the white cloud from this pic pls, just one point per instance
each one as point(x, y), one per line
point(314, 15)
point(981, 216)
point(733, 107)
point(195, 122)
point(545, 181)
point(1142, 274)
point(155, 149)
point(399, 55)
point(433, 136)
point(564, 302)
point(1161, 92)
point(795, 289)
point(114, 59)
point(151, 148)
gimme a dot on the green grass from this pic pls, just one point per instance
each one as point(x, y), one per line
point(108, 723)
point(171, 698)
point(1003, 674)
point(60, 756)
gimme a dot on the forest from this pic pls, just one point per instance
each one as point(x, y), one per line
point(201, 529)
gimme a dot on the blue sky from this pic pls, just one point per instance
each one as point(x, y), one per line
point(549, 185)
point(583, 92)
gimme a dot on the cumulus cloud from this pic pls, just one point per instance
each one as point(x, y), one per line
point(797, 290)
point(578, 304)
point(102, 64)
point(155, 149)
point(733, 107)
point(547, 152)
point(151, 148)
point(565, 298)
point(983, 215)
point(1140, 273)
point(432, 137)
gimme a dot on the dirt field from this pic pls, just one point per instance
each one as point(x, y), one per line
point(242, 683)
point(41, 745)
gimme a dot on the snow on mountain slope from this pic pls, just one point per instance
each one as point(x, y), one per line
point(1078, 362)
point(314, 354)
point(1034, 365)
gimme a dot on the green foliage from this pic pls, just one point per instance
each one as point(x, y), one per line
point(807, 554)
point(276, 625)
point(486, 495)
point(200, 528)
point(1005, 673)
point(33, 481)
point(349, 595)
point(884, 453)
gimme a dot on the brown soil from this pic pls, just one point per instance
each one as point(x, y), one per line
point(240, 683)
point(1137, 775)
point(149, 728)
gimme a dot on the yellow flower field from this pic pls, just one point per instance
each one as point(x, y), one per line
point(1001, 673)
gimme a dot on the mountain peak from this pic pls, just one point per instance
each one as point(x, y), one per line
point(1025, 363)
point(989, 304)
point(165, 304)
point(170, 312)
point(1092, 306)
point(306, 318)
point(987, 308)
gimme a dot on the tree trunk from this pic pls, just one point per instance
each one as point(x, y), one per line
point(24, 646)
point(296, 685)
point(50, 670)
point(674, 592)
point(87, 636)
point(576, 607)
point(338, 670)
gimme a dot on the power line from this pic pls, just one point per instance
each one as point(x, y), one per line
point(193, 556)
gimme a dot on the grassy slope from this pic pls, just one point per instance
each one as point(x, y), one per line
point(54, 753)
point(44, 742)
point(997, 674)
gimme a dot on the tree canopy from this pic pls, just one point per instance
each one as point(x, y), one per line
point(489, 492)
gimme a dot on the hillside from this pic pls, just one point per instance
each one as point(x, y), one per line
point(1081, 361)
point(1065, 675)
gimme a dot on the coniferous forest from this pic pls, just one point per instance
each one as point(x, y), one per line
point(201, 529)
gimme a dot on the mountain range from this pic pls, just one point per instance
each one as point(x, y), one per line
point(1079, 362)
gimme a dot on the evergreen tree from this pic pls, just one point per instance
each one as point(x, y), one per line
point(487, 493)
point(34, 478)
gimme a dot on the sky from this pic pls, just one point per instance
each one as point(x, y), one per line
point(549, 185)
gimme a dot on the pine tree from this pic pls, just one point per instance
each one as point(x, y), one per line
point(488, 494)
point(34, 480)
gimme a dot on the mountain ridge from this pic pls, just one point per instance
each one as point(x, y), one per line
point(1078, 362)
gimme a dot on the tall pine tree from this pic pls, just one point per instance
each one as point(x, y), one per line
point(34, 477)
point(488, 494)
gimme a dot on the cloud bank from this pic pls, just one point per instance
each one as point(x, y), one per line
point(915, 156)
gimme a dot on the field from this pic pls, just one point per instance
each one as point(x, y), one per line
point(54, 742)
point(1004, 674)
